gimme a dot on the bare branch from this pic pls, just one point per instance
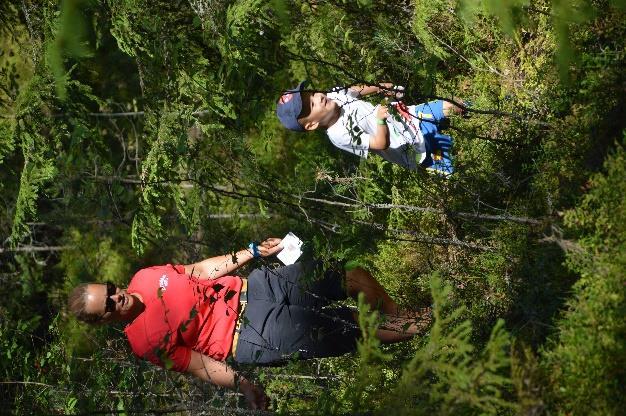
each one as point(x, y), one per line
point(409, 208)
point(34, 249)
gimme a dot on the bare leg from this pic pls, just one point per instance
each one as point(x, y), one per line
point(450, 108)
point(360, 280)
point(389, 336)
point(399, 324)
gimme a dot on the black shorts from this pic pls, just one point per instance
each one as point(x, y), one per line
point(289, 315)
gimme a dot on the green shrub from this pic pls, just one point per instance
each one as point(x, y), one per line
point(587, 359)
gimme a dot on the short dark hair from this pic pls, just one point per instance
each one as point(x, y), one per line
point(306, 109)
point(77, 303)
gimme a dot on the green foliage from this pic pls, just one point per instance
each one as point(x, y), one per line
point(460, 379)
point(369, 376)
point(598, 217)
point(194, 163)
point(433, 22)
point(44, 138)
point(7, 138)
point(37, 172)
point(36, 149)
point(69, 41)
point(585, 363)
point(160, 175)
point(453, 376)
point(507, 13)
point(248, 40)
point(100, 260)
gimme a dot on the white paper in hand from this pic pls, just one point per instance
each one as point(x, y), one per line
point(291, 249)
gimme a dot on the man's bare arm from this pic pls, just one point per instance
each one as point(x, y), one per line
point(221, 374)
point(219, 266)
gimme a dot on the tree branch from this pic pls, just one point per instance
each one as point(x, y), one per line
point(34, 249)
point(412, 208)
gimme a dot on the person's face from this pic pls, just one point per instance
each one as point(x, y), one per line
point(108, 302)
point(321, 110)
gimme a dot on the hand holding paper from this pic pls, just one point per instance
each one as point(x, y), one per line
point(291, 249)
point(269, 247)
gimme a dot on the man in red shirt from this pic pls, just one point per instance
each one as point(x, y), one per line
point(191, 318)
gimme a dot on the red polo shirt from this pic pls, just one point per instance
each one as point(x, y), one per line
point(182, 314)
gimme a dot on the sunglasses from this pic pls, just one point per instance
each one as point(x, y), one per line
point(109, 305)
